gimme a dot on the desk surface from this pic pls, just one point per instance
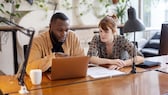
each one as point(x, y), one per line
point(144, 83)
point(147, 83)
point(13, 87)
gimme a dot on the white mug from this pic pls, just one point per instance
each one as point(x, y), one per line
point(36, 76)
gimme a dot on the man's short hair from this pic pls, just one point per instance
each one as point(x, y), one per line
point(59, 15)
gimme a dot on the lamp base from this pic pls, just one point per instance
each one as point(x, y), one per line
point(23, 90)
point(133, 71)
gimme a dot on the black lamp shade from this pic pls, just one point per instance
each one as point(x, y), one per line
point(30, 2)
point(133, 24)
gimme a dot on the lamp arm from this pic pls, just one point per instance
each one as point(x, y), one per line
point(20, 28)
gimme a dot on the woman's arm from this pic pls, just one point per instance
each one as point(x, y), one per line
point(101, 61)
point(132, 50)
point(115, 63)
point(137, 59)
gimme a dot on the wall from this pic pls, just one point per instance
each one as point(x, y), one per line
point(6, 56)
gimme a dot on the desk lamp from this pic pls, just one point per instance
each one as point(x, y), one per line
point(133, 25)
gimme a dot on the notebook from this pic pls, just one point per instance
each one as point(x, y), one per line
point(69, 67)
point(148, 64)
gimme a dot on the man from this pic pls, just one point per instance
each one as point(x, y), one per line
point(58, 40)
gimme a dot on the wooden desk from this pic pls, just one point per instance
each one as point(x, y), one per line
point(150, 80)
point(146, 83)
point(10, 85)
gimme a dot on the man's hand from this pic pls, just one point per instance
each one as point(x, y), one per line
point(60, 54)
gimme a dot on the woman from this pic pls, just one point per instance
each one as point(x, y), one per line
point(112, 50)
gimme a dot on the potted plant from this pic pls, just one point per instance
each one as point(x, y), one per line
point(121, 10)
point(115, 1)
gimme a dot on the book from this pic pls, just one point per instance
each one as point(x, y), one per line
point(101, 72)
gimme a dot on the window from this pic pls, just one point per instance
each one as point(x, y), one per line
point(154, 12)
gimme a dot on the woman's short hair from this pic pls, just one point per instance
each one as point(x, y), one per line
point(109, 21)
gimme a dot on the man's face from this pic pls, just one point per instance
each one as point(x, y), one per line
point(60, 29)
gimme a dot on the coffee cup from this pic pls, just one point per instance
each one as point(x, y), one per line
point(36, 76)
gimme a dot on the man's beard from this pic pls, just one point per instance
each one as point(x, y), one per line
point(55, 39)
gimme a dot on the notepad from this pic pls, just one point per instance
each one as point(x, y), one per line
point(101, 72)
point(148, 64)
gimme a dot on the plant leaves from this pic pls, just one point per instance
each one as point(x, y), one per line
point(2, 11)
point(100, 0)
point(2, 5)
point(17, 6)
point(107, 5)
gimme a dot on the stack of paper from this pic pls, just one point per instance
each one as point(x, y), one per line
point(100, 72)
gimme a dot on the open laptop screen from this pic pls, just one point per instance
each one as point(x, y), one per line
point(69, 67)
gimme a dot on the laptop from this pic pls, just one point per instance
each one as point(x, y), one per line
point(69, 67)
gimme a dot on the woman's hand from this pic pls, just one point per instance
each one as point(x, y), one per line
point(110, 66)
point(118, 62)
point(114, 64)
point(114, 67)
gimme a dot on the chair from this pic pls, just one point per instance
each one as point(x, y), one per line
point(163, 50)
point(151, 48)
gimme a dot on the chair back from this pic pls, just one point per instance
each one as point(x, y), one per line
point(163, 50)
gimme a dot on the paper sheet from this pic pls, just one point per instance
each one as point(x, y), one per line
point(100, 72)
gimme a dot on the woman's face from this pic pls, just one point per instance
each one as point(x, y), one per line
point(106, 35)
